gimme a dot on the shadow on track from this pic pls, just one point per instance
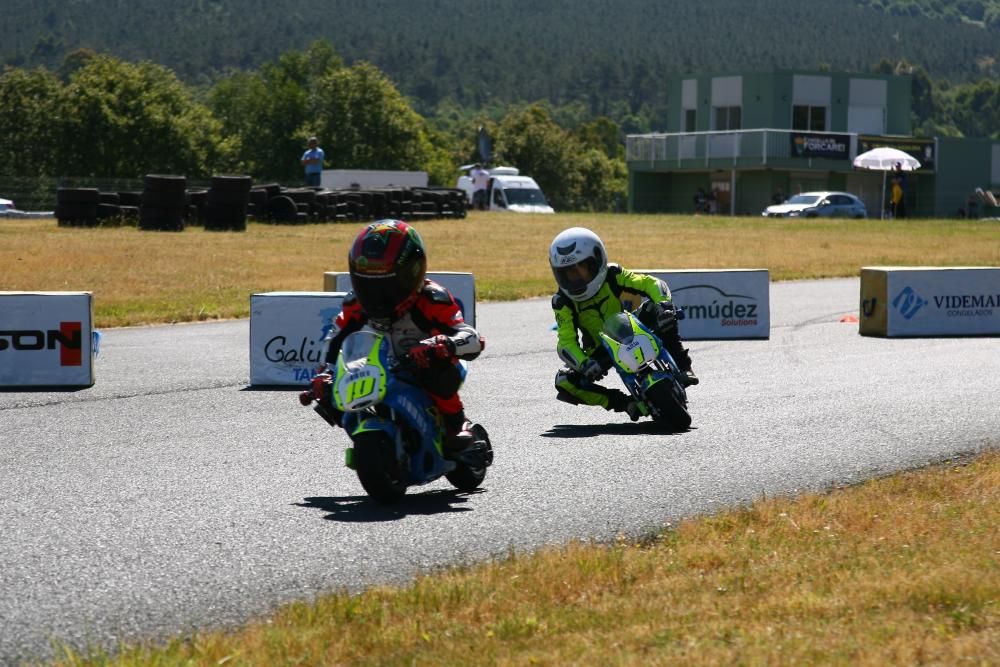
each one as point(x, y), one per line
point(590, 430)
point(361, 509)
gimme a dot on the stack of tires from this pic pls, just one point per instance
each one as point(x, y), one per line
point(164, 203)
point(228, 198)
point(77, 207)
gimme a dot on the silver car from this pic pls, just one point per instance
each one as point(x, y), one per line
point(818, 204)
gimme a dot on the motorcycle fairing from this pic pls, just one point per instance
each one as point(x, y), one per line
point(361, 379)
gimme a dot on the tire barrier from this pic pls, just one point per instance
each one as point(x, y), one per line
point(166, 203)
point(226, 203)
point(77, 207)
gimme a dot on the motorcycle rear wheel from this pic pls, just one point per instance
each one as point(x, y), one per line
point(378, 470)
point(466, 477)
point(671, 411)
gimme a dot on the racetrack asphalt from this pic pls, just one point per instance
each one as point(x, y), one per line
point(171, 496)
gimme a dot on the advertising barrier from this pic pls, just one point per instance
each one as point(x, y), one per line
point(46, 339)
point(718, 304)
point(461, 285)
point(286, 335)
point(929, 301)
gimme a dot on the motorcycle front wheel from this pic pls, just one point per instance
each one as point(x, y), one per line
point(670, 410)
point(466, 476)
point(379, 472)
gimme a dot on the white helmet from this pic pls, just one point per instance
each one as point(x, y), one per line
point(579, 262)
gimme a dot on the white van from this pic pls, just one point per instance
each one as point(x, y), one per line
point(509, 191)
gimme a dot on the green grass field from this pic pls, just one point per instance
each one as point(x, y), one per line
point(151, 277)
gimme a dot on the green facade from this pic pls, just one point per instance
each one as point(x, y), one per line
point(746, 165)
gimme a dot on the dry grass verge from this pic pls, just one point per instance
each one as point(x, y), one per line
point(151, 277)
point(902, 570)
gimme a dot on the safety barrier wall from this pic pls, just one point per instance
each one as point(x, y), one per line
point(461, 285)
point(46, 339)
point(718, 304)
point(286, 335)
point(929, 301)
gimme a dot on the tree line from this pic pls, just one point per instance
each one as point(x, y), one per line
point(604, 58)
point(99, 117)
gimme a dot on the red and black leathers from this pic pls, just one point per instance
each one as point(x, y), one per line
point(433, 312)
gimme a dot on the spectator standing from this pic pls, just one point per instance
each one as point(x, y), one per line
point(899, 203)
point(896, 200)
point(312, 160)
point(972, 207)
point(778, 197)
point(700, 201)
point(480, 180)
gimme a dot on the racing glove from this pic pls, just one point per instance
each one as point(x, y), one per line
point(321, 391)
point(438, 347)
point(592, 370)
point(667, 315)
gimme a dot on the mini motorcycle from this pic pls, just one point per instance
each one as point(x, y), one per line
point(395, 429)
point(647, 369)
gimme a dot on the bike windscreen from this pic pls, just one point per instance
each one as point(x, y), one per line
point(618, 327)
point(357, 347)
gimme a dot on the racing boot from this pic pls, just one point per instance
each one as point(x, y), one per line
point(622, 402)
point(458, 434)
point(683, 359)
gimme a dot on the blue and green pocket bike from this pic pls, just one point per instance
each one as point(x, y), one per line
point(397, 434)
point(647, 370)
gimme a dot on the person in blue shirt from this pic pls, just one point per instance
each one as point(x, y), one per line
point(312, 160)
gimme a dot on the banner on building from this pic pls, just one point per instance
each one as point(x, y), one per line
point(825, 145)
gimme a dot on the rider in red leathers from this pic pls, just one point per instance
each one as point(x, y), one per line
point(388, 265)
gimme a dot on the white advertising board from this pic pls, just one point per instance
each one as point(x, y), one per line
point(286, 335)
point(342, 179)
point(46, 339)
point(718, 304)
point(930, 301)
point(461, 285)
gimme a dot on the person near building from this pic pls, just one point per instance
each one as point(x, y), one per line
point(312, 160)
point(480, 180)
point(589, 292)
point(898, 198)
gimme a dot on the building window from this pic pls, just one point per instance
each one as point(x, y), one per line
point(727, 118)
point(809, 118)
point(690, 120)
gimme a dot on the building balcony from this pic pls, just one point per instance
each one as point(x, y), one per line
point(748, 149)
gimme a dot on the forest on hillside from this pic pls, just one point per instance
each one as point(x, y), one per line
point(603, 58)
point(210, 86)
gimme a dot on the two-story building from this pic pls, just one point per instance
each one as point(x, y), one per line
point(747, 138)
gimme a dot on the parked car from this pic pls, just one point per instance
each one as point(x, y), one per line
point(818, 204)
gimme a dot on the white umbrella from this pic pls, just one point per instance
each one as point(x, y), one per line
point(885, 159)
